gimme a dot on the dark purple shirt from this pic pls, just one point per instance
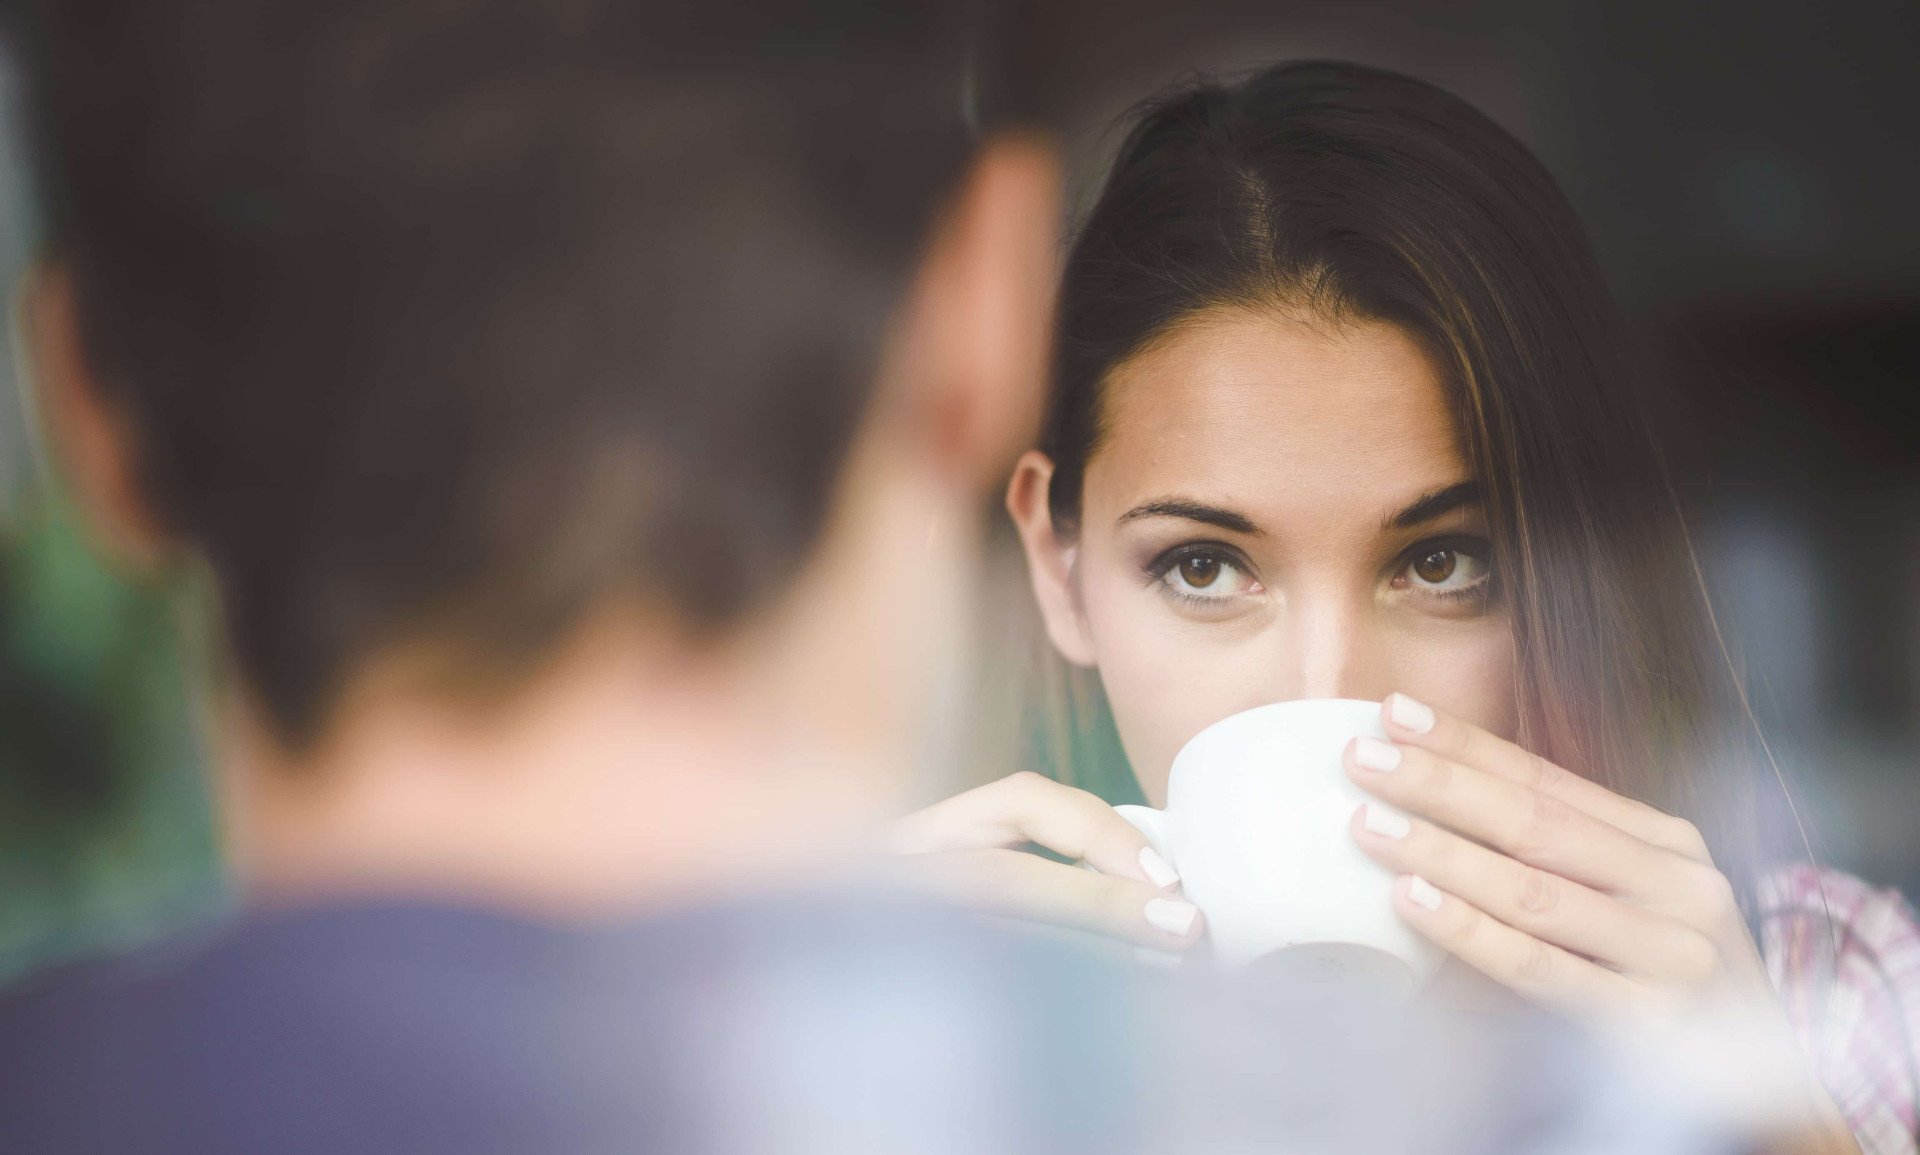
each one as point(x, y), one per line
point(813, 1025)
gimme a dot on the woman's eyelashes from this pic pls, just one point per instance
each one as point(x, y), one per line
point(1455, 569)
point(1203, 575)
point(1452, 574)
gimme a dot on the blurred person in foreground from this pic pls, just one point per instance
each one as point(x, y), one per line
point(582, 412)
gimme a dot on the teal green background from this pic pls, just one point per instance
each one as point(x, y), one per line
point(106, 831)
point(1072, 737)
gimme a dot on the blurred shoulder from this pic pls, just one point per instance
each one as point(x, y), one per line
point(418, 1027)
point(1844, 956)
point(1799, 904)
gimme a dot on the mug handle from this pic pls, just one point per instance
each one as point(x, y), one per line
point(1153, 824)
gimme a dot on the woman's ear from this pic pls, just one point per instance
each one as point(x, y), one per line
point(1049, 557)
point(93, 441)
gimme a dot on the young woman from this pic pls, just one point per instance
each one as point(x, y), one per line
point(1341, 410)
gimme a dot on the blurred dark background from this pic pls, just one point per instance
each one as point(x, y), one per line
point(1751, 175)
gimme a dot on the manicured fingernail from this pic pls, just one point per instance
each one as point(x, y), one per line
point(1172, 915)
point(1158, 870)
point(1408, 714)
point(1385, 823)
point(1375, 754)
point(1422, 893)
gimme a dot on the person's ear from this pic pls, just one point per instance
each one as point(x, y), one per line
point(93, 440)
point(1049, 557)
point(974, 347)
point(868, 654)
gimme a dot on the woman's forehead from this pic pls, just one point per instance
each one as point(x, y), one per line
point(1266, 409)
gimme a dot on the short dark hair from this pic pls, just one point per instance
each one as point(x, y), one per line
point(464, 315)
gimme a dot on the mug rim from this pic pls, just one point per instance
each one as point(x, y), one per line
point(1277, 707)
point(1290, 703)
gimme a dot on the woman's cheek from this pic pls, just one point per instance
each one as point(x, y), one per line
point(1166, 681)
point(1469, 674)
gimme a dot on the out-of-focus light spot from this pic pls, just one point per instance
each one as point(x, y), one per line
point(1766, 202)
point(1762, 563)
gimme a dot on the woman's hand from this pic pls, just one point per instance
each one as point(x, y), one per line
point(1548, 883)
point(968, 850)
point(1569, 894)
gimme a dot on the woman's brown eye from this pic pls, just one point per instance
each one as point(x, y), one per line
point(1436, 567)
point(1199, 571)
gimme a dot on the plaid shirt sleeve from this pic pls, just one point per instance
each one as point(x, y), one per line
point(1845, 958)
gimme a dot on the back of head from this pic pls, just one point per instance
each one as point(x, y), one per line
point(453, 320)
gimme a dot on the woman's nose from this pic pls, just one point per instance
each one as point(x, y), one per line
point(1325, 649)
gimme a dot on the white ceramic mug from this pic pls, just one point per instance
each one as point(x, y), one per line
point(1256, 824)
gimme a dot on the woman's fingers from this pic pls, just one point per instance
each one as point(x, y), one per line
point(1026, 886)
point(1543, 905)
point(1413, 723)
point(962, 849)
point(1029, 808)
point(1538, 970)
point(1537, 828)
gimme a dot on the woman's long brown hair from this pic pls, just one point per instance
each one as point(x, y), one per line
point(1366, 194)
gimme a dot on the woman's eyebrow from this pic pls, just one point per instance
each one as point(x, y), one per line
point(1434, 504)
point(1193, 511)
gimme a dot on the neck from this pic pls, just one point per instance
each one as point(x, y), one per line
point(626, 774)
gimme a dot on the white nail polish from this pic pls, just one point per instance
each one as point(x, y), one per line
point(1172, 915)
point(1422, 893)
point(1374, 754)
point(1385, 823)
point(1408, 714)
point(1158, 870)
